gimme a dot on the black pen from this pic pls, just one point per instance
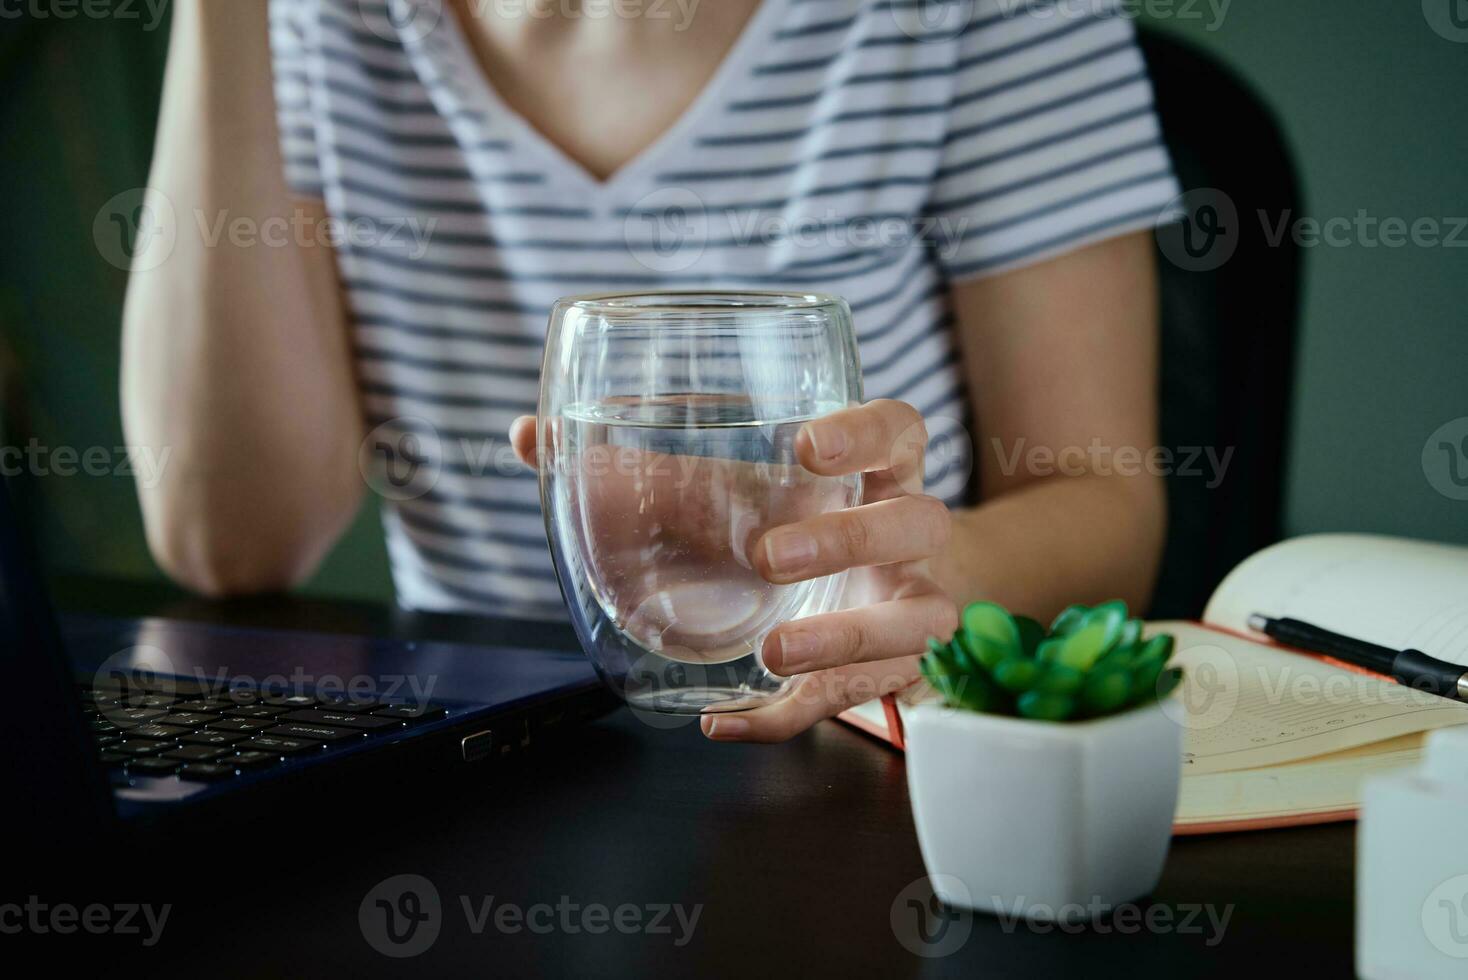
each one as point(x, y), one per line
point(1412, 668)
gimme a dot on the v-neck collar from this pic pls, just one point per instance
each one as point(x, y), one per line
point(469, 92)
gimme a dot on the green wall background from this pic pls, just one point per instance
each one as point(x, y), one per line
point(1371, 99)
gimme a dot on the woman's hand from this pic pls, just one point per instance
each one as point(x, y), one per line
point(893, 603)
point(872, 647)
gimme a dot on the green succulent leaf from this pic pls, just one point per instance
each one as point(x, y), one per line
point(1105, 691)
point(1117, 657)
point(1081, 649)
point(1113, 614)
point(1046, 707)
point(1069, 620)
point(1017, 674)
point(944, 655)
point(1169, 680)
point(1031, 633)
point(972, 691)
point(990, 630)
point(1131, 634)
point(1144, 681)
point(1093, 662)
point(1159, 648)
point(1059, 679)
point(1049, 649)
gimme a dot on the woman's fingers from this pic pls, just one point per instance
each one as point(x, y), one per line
point(900, 529)
point(880, 435)
point(894, 628)
point(813, 697)
point(522, 437)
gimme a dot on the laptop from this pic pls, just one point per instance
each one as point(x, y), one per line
point(121, 724)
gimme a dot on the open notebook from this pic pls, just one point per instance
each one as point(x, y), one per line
point(1277, 737)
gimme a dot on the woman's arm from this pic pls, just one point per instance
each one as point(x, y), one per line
point(235, 357)
point(1061, 360)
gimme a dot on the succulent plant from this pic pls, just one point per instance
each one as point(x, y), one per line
point(1092, 662)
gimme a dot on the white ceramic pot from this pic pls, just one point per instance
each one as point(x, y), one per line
point(1037, 818)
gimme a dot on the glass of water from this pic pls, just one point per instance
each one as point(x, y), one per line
point(667, 426)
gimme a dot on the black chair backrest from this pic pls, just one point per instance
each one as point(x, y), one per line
point(1230, 299)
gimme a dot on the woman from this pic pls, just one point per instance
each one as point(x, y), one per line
point(977, 178)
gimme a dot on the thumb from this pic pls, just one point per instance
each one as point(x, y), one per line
point(522, 437)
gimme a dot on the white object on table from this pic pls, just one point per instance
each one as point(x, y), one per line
point(1042, 820)
point(1412, 868)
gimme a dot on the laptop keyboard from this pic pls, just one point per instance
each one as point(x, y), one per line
point(207, 737)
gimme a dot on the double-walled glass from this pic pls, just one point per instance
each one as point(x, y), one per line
point(667, 427)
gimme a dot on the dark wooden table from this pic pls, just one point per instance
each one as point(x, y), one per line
point(794, 857)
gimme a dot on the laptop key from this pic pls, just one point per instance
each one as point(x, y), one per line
point(411, 712)
point(291, 701)
point(277, 745)
point(196, 753)
point(139, 700)
point(214, 738)
point(133, 716)
point(206, 771)
point(159, 732)
point(345, 703)
point(343, 719)
point(256, 711)
point(104, 740)
point(101, 726)
point(254, 760)
point(142, 746)
point(189, 719)
point(152, 766)
point(112, 758)
point(313, 733)
point(206, 706)
point(237, 725)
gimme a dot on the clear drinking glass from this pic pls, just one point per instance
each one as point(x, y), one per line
point(667, 426)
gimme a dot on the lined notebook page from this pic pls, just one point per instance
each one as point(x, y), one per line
point(1244, 704)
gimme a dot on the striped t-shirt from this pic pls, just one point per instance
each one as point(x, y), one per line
point(875, 150)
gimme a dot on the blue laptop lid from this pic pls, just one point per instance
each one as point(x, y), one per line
point(50, 772)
